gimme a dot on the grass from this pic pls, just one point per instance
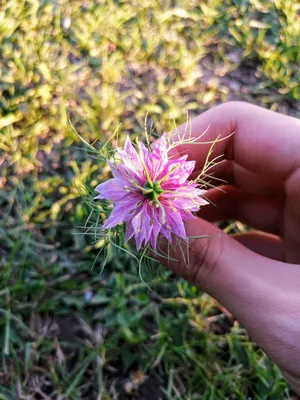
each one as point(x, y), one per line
point(65, 331)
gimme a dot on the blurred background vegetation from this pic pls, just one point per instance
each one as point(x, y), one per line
point(65, 331)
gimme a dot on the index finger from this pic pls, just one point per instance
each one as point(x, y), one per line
point(263, 142)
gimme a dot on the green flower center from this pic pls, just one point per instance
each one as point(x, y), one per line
point(152, 190)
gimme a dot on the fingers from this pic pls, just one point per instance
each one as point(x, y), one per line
point(229, 172)
point(262, 243)
point(218, 264)
point(263, 294)
point(203, 262)
point(234, 204)
point(227, 270)
point(293, 379)
point(292, 218)
point(237, 277)
point(264, 142)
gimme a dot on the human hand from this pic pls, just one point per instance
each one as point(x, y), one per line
point(254, 275)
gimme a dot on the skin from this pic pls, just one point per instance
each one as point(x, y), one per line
point(256, 275)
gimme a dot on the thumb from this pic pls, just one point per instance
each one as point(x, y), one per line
point(219, 265)
point(261, 293)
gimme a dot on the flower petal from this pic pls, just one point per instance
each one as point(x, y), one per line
point(129, 231)
point(123, 211)
point(174, 222)
point(141, 226)
point(131, 160)
point(156, 226)
point(113, 189)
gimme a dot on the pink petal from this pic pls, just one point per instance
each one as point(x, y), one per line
point(141, 226)
point(123, 172)
point(130, 158)
point(156, 227)
point(174, 221)
point(166, 232)
point(129, 231)
point(160, 148)
point(130, 150)
point(113, 189)
point(123, 211)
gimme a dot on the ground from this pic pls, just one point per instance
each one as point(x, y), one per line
point(66, 331)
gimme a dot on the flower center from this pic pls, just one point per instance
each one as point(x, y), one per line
point(152, 190)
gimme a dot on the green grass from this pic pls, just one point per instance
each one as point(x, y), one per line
point(65, 331)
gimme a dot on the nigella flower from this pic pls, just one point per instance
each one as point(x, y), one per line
point(151, 193)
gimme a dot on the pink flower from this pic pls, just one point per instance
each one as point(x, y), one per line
point(151, 193)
